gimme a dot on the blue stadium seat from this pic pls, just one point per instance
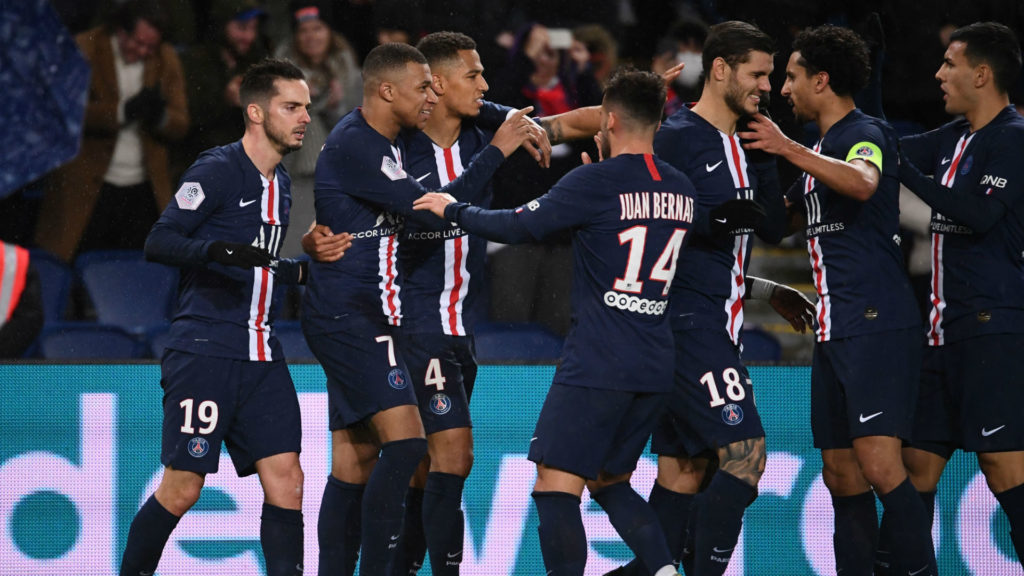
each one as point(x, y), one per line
point(517, 342)
point(759, 345)
point(293, 341)
point(55, 279)
point(126, 290)
point(86, 340)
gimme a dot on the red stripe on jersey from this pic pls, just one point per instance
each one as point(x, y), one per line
point(950, 175)
point(449, 164)
point(734, 150)
point(391, 293)
point(935, 317)
point(270, 203)
point(453, 298)
point(737, 306)
point(819, 280)
point(652, 168)
point(260, 318)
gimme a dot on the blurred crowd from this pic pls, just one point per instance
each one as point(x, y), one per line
point(165, 77)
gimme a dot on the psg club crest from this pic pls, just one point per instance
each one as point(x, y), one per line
point(198, 447)
point(965, 164)
point(397, 380)
point(732, 414)
point(440, 404)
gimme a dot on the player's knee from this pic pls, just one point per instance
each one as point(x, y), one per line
point(458, 463)
point(178, 498)
point(843, 478)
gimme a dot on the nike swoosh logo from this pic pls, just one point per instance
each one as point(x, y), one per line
point(864, 418)
point(243, 203)
point(918, 571)
point(395, 537)
point(424, 176)
point(721, 220)
point(987, 433)
point(945, 161)
point(718, 550)
point(230, 252)
point(454, 554)
point(711, 167)
point(532, 439)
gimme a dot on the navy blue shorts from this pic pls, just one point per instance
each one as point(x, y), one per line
point(712, 402)
point(443, 370)
point(589, 430)
point(251, 406)
point(971, 394)
point(864, 386)
point(365, 375)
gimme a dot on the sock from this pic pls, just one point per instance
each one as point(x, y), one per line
point(409, 556)
point(281, 539)
point(147, 536)
point(912, 550)
point(563, 542)
point(339, 528)
point(718, 519)
point(443, 522)
point(883, 556)
point(1012, 503)
point(856, 536)
point(384, 502)
point(635, 520)
point(673, 511)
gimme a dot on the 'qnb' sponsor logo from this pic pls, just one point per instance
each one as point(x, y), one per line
point(634, 304)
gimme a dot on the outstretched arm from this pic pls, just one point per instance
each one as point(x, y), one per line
point(790, 303)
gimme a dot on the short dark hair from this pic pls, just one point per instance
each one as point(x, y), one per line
point(127, 15)
point(839, 52)
point(638, 95)
point(995, 45)
point(389, 58)
point(258, 81)
point(733, 41)
point(441, 47)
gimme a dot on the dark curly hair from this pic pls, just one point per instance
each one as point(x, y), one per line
point(638, 95)
point(839, 52)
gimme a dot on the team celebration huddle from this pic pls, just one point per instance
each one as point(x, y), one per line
point(662, 222)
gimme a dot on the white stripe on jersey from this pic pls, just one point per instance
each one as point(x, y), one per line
point(823, 309)
point(456, 276)
point(387, 258)
point(812, 203)
point(936, 332)
point(937, 299)
point(735, 159)
point(259, 311)
point(734, 304)
point(270, 202)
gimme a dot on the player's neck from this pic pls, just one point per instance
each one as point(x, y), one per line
point(381, 119)
point(632, 144)
point(261, 153)
point(715, 111)
point(986, 110)
point(833, 111)
point(443, 126)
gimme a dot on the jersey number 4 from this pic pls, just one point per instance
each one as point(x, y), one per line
point(664, 268)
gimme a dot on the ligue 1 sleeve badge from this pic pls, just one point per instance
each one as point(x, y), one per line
point(732, 414)
point(198, 447)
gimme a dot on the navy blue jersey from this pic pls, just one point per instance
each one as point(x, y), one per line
point(362, 188)
point(854, 248)
point(630, 216)
point(710, 276)
point(443, 270)
point(225, 311)
point(977, 284)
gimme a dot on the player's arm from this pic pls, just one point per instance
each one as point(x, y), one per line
point(796, 217)
point(789, 302)
point(1002, 185)
point(323, 245)
point(773, 226)
point(855, 176)
point(920, 150)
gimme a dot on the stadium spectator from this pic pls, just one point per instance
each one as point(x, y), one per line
point(112, 192)
point(21, 301)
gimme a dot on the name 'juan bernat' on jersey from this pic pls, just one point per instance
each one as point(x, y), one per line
point(630, 216)
point(710, 276)
point(444, 269)
point(854, 250)
point(977, 282)
point(225, 311)
point(362, 188)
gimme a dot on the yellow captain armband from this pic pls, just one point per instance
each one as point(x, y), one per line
point(866, 151)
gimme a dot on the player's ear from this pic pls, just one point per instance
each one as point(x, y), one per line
point(254, 113)
point(718, 68)
point(437, 83)
point(821, 80)
point(386, 91)
point(982, 75)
